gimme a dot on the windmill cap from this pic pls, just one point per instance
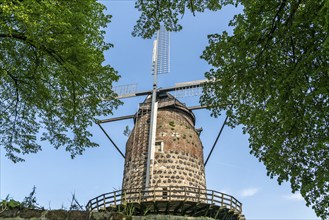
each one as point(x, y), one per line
point(166, 101)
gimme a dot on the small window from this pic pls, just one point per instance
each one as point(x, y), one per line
point(164, 193)
point(159, 146)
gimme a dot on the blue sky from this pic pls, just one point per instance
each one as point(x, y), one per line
point(231, 169)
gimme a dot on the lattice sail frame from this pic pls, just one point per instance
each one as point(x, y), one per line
point(161, 52)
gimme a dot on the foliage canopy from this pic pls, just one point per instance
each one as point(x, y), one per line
point(51, 74)
point(271, 76)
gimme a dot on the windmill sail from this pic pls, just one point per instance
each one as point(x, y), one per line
point(160, 63)
point(161, 52)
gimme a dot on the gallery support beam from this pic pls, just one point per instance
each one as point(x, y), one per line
point(111, 141)
point(220, 132)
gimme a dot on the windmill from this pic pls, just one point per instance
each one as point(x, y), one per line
point(164, 166)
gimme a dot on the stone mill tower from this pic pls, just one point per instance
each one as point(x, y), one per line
point(178, 157)
point(164, 169)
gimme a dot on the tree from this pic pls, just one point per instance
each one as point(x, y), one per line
point(167, 12)
point(272, 77)
point(51, 75)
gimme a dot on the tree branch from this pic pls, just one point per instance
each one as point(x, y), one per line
point(14, 36)
point(192, 7)
point(16, 108)
point(276, 19)
point(293, 12)
point(274, 26)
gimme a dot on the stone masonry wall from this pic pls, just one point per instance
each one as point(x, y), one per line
point(136, 154)
point(178, 159)
point(82, 215)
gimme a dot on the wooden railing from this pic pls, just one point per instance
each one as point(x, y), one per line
point(163, 194)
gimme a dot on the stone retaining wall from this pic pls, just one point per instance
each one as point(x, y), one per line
point(28, 214)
